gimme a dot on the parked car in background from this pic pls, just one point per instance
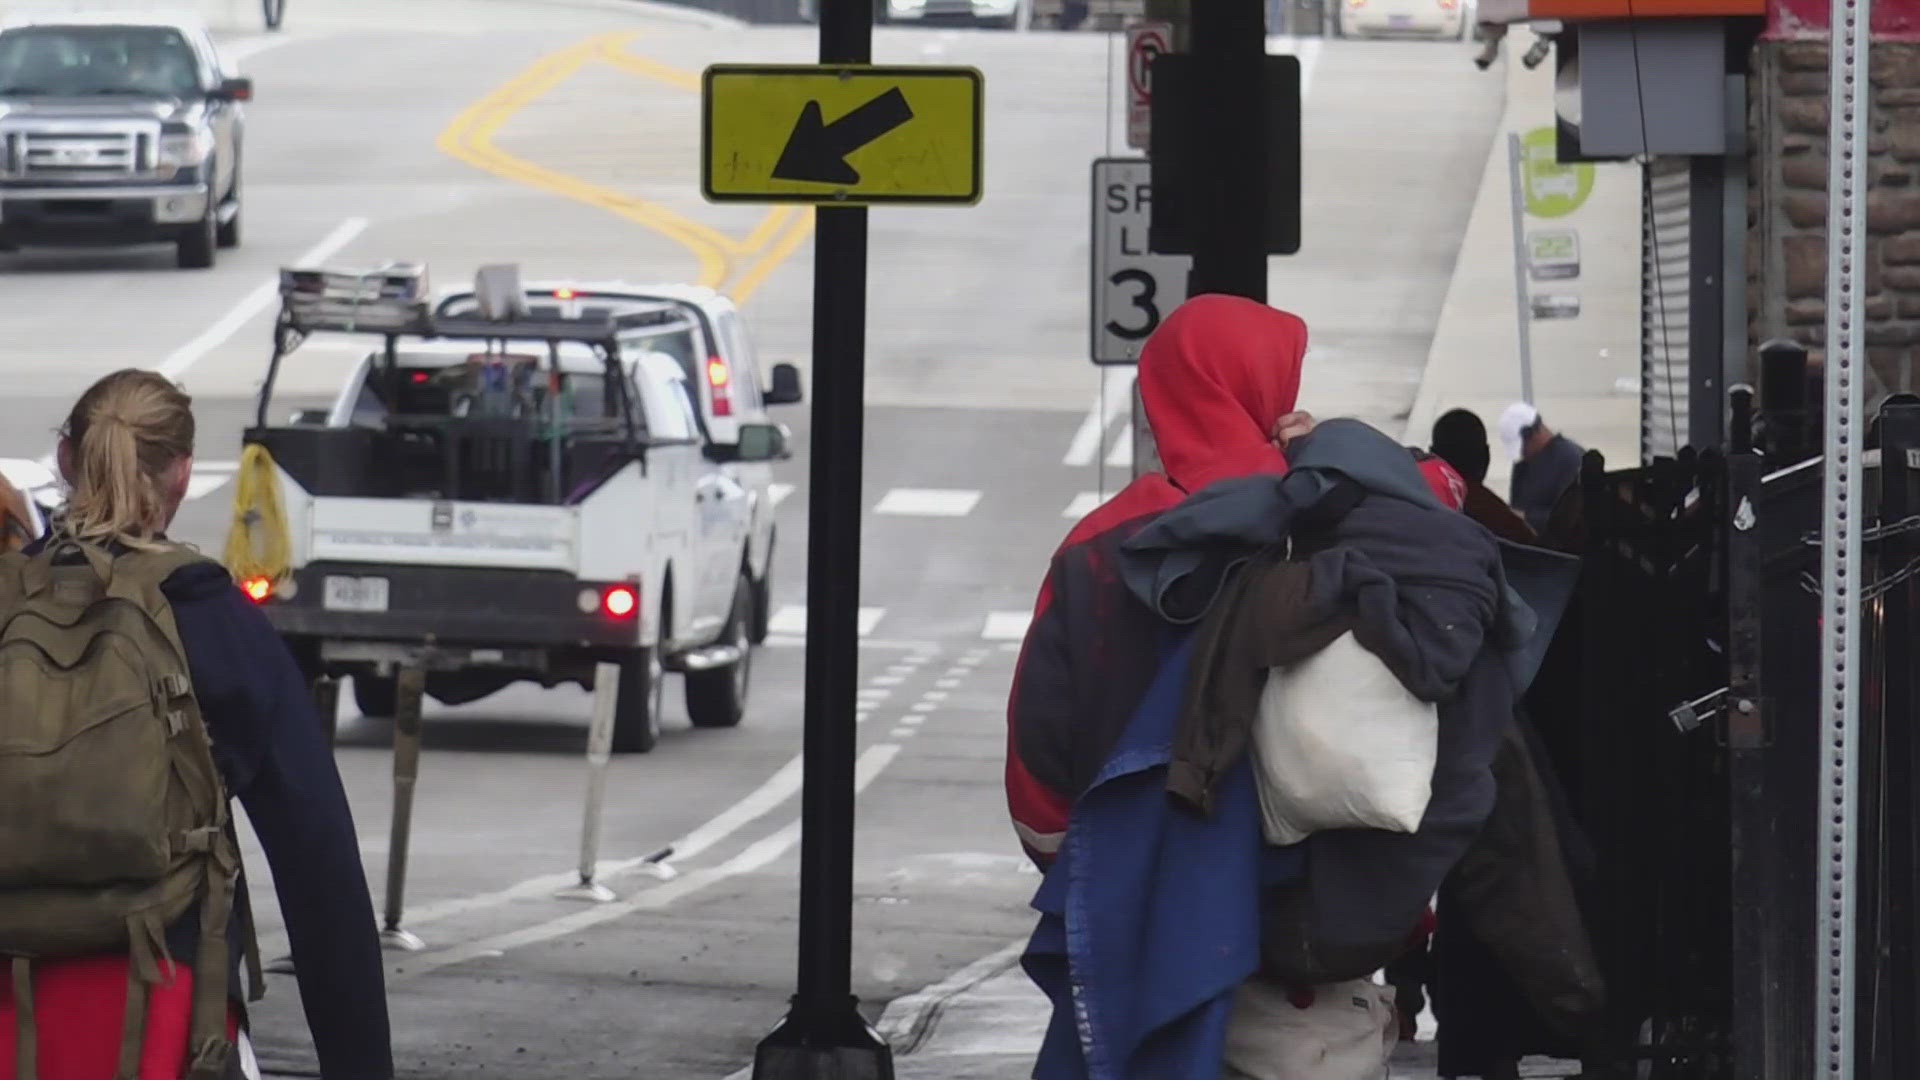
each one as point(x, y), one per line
point(1005, 14)
point(1444, 19)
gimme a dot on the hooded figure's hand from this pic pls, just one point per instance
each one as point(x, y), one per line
point(1291, 426)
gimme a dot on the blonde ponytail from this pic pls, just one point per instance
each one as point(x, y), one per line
point(124, 435)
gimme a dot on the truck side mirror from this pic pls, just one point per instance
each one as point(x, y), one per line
point(762, 442)
point(786, 386)
point(233, 90)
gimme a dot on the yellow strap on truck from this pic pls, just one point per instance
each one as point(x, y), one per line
point(258, 543)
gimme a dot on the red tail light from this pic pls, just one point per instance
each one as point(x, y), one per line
point(620, 601)
point(721, 380)
point(563, 294)
point(258, 589)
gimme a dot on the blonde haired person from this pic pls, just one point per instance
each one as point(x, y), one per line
point(16, 528)
point(126, 452)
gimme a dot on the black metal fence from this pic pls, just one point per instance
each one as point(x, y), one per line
point(1681, 706)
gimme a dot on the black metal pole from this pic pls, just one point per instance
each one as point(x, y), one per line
point(1232, 179)
point(824, 1037)
point(1899, 438)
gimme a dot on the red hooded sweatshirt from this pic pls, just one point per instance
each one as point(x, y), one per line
point(1214, 378)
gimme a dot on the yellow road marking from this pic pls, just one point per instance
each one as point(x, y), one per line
point(758, 272)
point(469, 137)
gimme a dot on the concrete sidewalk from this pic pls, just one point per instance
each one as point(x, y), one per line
point(1586, 369)
point(990, 1025)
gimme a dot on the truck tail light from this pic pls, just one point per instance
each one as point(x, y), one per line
point(721, 380)
point(620, 601)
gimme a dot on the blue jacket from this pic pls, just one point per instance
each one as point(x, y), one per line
point(1150, 915)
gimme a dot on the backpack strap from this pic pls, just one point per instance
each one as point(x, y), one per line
point(25, 1048)
point(207, 1042)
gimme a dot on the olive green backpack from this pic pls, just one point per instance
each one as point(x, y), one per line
point(115, 821)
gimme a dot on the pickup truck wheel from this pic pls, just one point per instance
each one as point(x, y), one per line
point(376, 697)
point(718, 698)
point(195, 248)
point(642, 697)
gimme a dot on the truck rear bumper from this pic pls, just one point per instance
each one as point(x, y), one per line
point(451, 606)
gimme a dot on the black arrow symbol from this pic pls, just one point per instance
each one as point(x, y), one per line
point(817, 151)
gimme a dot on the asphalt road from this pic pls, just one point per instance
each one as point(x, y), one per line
point(564, 137)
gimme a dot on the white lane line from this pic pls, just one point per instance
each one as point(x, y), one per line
point(778, 493)
point(776, 789)
point(792, 619)
point(754, 857)
point(1121, 456)
point(256, 302)
point(795, 641)
point(1114, 400)
point(236, 52)
point(209, 477)
point(1083, 504)
point(1006, 626)
point(928, 502)
point(902, 733)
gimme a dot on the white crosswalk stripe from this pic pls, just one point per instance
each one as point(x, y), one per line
point(1083, 504)
point(1006, 625)
point(209, 477)
point(792, 619)
point(928, 502)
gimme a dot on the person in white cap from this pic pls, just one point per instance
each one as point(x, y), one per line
point(1545, 463)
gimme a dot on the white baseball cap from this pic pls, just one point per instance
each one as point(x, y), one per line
point(1513, 425)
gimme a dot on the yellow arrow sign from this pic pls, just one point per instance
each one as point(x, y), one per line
point(842, 135)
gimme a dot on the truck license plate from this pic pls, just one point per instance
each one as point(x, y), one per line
point(355, 593)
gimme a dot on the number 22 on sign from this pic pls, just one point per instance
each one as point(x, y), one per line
point(1132, 289)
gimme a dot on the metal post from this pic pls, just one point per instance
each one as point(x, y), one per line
point(1231, 176)
point(410, 685)
point(1522, 306)
point(606, 695)
point(824, 1037)
point(1840, 541)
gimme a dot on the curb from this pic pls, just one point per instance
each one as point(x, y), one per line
point(908, 1020)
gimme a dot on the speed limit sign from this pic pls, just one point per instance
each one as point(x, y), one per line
point(1132, 288)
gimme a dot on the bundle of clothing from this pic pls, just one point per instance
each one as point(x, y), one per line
point(1164, 898)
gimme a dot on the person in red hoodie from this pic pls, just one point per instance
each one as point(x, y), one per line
point(1220, 380)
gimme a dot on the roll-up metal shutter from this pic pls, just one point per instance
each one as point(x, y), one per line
point(1665, 287)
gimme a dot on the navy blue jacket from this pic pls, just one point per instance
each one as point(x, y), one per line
point(272, 753)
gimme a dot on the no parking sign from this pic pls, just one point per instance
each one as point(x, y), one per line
point(1145, 40)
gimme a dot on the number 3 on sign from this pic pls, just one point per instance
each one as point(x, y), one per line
point(1133, 288)
point(1142, 300)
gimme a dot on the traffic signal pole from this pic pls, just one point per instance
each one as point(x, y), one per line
point(1228, 40)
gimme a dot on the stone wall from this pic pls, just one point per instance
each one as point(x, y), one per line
point(1787, 205)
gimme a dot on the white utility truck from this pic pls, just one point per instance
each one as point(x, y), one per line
point(505, 493)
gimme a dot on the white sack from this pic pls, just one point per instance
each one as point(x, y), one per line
point(1339, 743)
point(1348, 1033)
